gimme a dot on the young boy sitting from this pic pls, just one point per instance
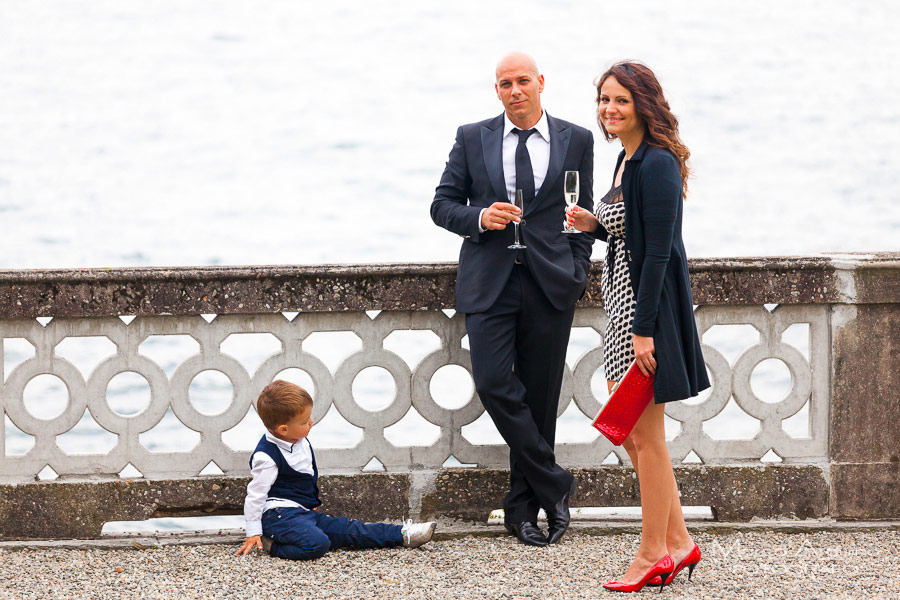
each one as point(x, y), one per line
point(282, 496)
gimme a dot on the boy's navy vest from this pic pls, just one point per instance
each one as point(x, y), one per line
point(302, 488)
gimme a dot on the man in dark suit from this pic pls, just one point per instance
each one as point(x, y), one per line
point(519, 304)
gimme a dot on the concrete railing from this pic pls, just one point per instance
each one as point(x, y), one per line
point(842, 311)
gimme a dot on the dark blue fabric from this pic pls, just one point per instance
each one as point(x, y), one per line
point(299, 534)
point(657, 263)
point(473, 180)
point(518, 318)
point(301, 488)
point(524, 172)
point(518, 353)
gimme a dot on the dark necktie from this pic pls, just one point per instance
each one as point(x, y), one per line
point(524, 172)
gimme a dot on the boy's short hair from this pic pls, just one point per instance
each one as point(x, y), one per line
point(280, 401)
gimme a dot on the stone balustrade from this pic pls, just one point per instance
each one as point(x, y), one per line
point(833, 322)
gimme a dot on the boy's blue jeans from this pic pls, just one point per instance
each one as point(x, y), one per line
point(299, 534)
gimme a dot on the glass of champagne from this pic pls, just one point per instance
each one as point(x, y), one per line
point(571, 195)
point(520, 204)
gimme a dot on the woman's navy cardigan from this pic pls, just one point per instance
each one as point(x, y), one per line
point(652, 192)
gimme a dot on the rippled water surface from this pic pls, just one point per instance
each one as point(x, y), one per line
point(171, 133)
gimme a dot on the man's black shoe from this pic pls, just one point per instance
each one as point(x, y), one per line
point(527, 532)
point(558, 517)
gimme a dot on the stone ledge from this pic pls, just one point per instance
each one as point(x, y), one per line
point(416, 286)
point(55, 510)
point(733, 493)
point(224, 290)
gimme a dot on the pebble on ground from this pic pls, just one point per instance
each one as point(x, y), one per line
point(759, 565)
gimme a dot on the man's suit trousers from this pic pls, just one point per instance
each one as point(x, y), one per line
point(518, 351)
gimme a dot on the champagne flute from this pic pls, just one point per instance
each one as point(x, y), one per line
point(571, 195)
point(520, 204)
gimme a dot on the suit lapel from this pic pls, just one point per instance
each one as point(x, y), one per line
point(492, 146)
point(559, 146)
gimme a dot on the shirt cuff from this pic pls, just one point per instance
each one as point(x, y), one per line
point(480, 215)
point(253, 528)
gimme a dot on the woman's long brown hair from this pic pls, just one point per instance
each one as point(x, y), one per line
point(653, 109)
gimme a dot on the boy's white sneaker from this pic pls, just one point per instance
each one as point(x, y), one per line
point(416, 534)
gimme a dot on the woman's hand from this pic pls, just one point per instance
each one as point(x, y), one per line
point(581, 219)
point(643, 354)
point(250, 544)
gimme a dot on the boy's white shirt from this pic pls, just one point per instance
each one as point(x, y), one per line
point(264, 472)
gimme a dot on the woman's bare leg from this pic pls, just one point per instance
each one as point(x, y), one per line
point(678, 540)
point(657, 483)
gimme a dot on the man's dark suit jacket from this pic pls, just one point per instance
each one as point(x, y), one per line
point(473, 180)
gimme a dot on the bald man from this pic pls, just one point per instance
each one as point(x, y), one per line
point(519, 304)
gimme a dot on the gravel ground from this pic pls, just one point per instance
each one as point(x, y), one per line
point(762, 565)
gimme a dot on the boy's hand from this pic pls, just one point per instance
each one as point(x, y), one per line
point(250, 543)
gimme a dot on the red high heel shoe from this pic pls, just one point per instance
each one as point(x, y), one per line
point(690, 561)
point(661, 569)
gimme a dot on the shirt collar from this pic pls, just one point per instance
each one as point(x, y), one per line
point(542, 127)
point(286, 446)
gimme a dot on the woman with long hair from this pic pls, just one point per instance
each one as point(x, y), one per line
point(647, 296)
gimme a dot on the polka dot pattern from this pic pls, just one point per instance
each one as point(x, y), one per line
point(618, 295)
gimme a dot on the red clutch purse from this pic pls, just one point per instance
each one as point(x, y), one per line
point(626, 404)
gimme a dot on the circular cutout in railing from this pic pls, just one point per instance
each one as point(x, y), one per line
point(298, 377)
point(128, 394)
point(599, 386)
point(374, 388)
point(45, 397)
point(771, 380)
point(211, 392)
point(451, 386)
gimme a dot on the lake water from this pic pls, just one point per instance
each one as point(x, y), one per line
point(210, 133)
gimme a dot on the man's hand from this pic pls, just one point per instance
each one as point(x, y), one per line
point(643, 354)
point(251, 543)
point(498, 215)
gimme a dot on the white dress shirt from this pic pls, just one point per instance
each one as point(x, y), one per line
point(264, 472)
point(538, 145)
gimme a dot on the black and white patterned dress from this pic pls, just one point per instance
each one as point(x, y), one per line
point(618, 295)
